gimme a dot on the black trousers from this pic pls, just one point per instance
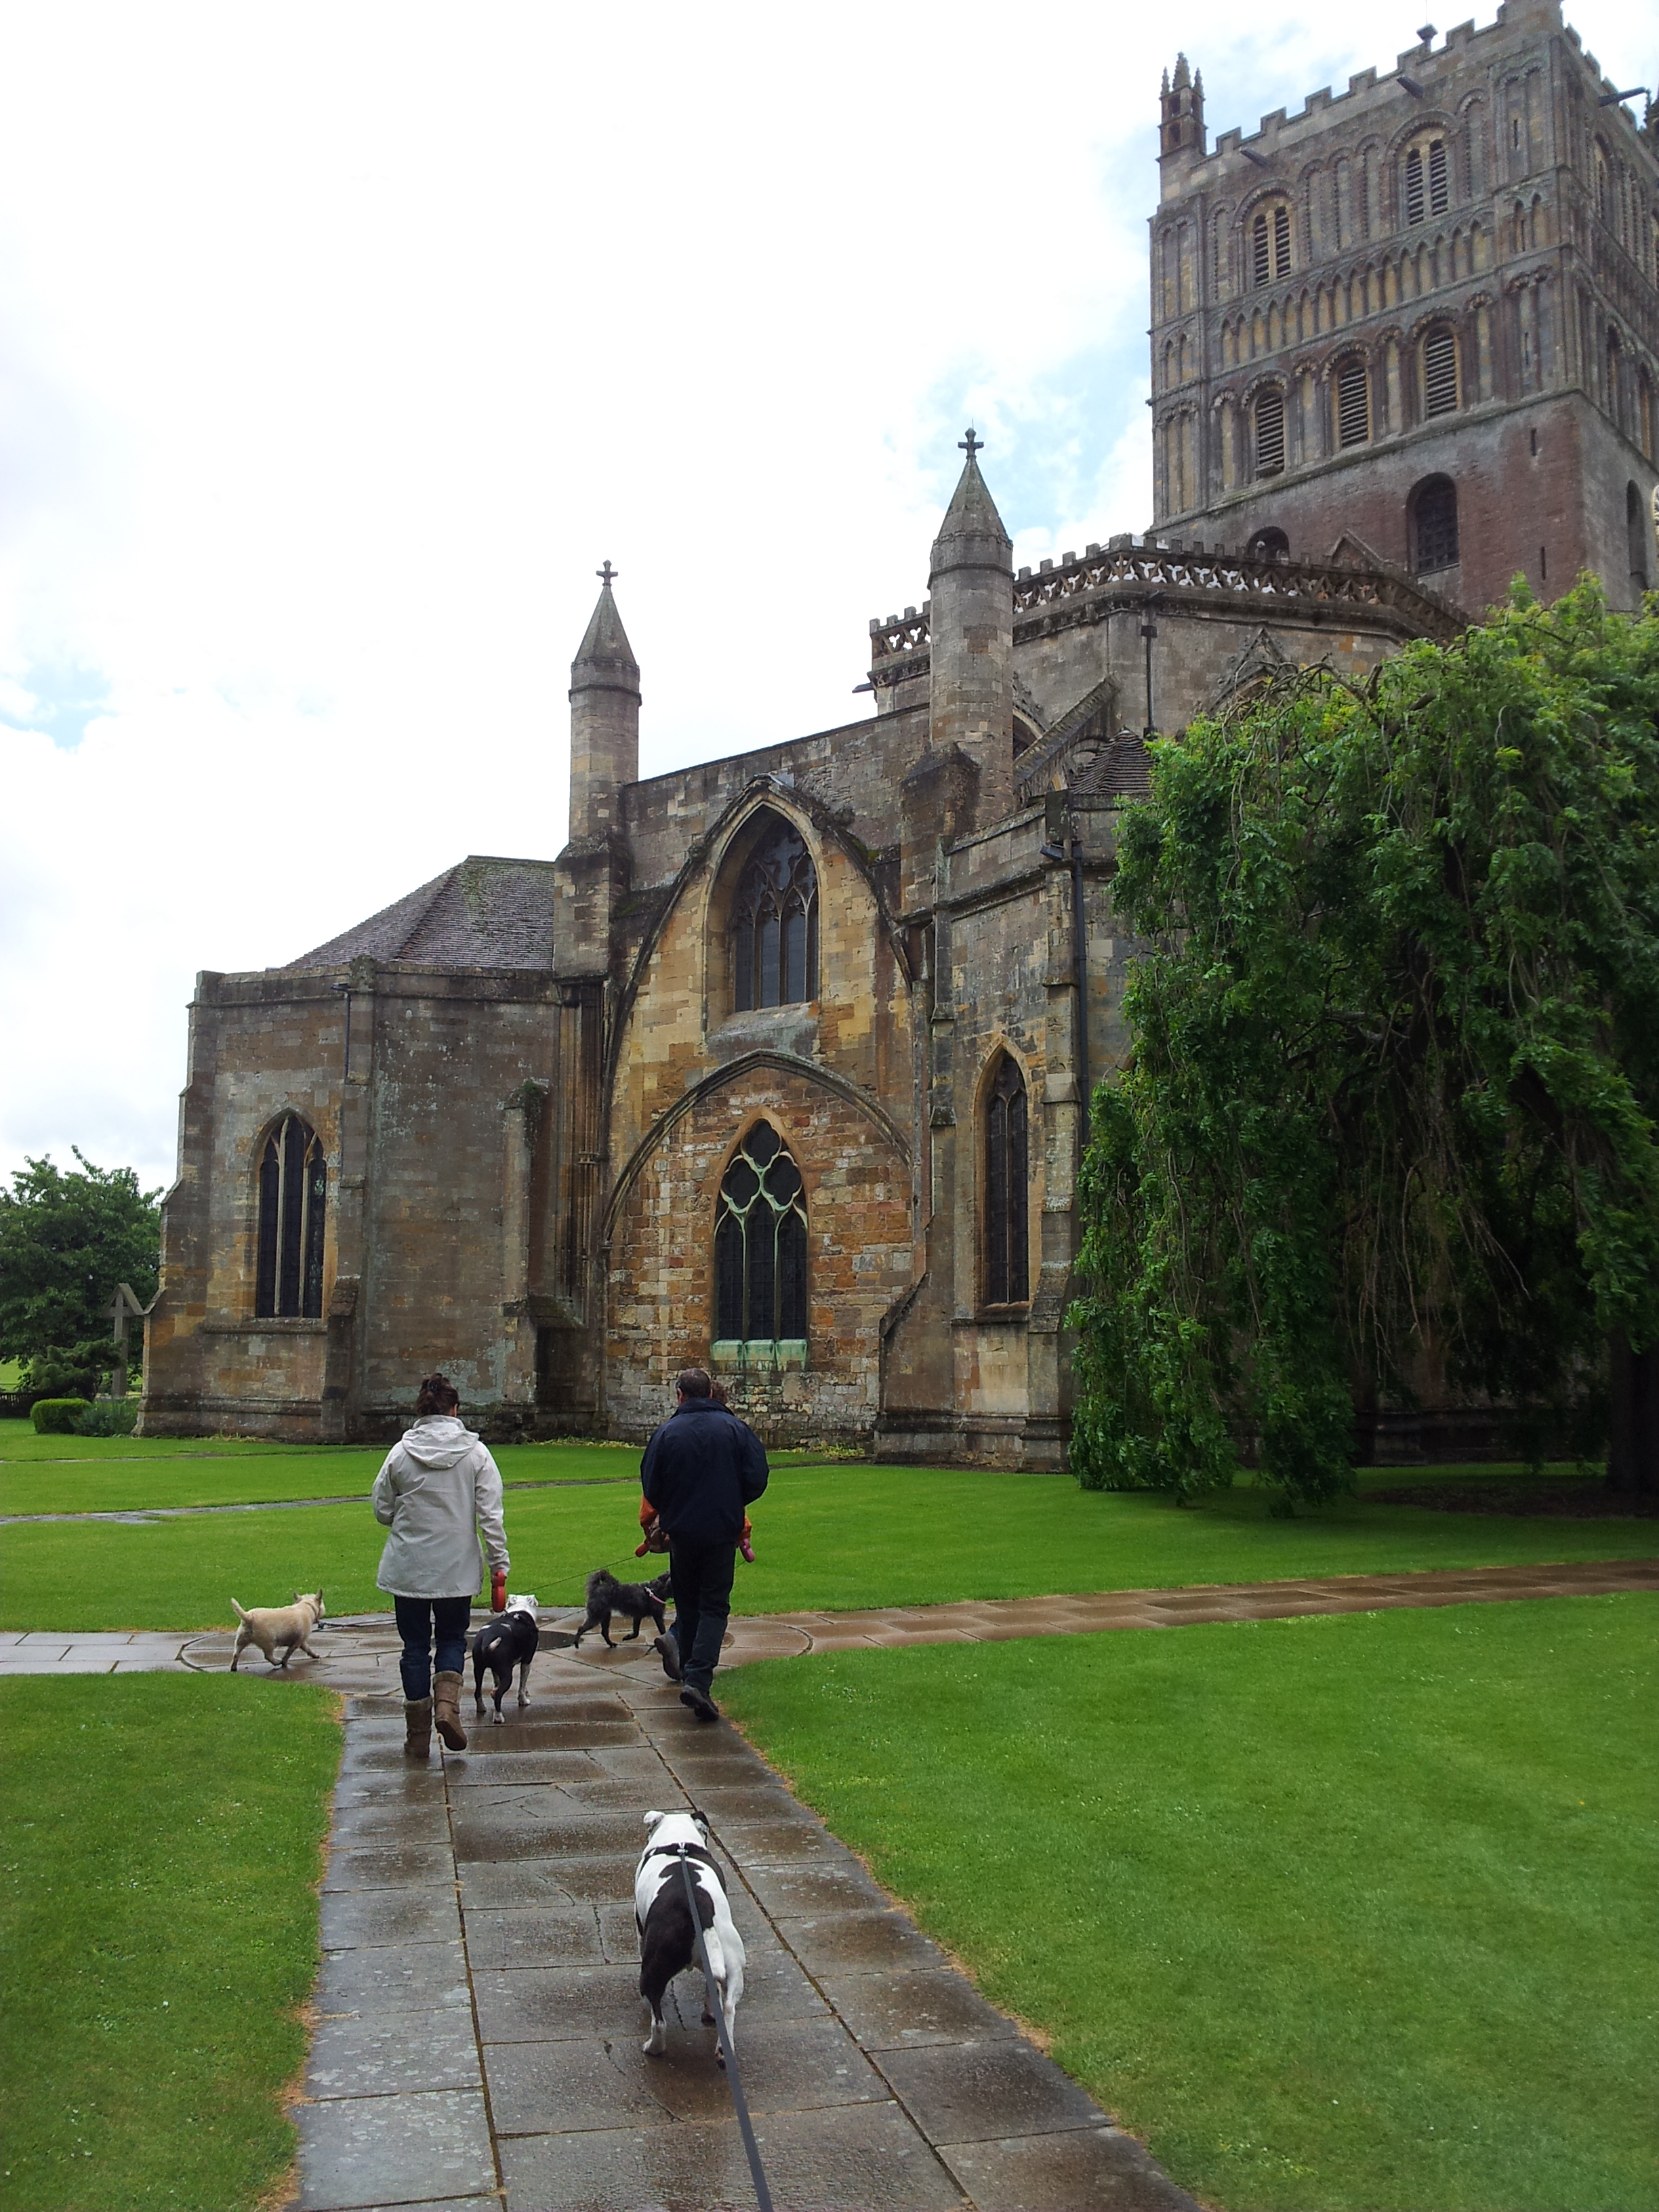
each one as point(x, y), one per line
point(703, 1604)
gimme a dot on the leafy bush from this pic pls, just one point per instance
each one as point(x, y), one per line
point(109, 1417)
point(56, 1416)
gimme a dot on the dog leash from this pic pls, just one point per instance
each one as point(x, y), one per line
point(756, 2170)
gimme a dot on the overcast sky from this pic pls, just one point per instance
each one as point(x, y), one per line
point(339, 345)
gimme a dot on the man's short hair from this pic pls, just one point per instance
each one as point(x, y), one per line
point(694, 1383)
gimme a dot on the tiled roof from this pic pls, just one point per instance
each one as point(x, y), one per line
point(483, 913)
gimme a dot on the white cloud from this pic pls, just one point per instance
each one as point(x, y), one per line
point(340, 346)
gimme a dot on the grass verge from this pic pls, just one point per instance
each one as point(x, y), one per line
point(160, 1932)
point(1349, 1911)
point(836, 1538)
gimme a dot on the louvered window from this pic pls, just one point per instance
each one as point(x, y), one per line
point(775, 925)
point(760, 1251)
point(1435, 525)
point(1007, 1217)
point(1281, 241)
point(1439, 191)
point(292, 1201)
point(1270, 244)
point(1353, 405)
point(1269, 433)
point(1440, 374)
point(1262, 265)
point(1414, 186)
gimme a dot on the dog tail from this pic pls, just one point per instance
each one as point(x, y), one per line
point(716, 1955)
point(237, 1610)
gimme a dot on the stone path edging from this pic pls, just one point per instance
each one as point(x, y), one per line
point(478, 2021)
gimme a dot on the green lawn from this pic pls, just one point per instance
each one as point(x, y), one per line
point(827, 1537)
point(160, 1932)
point(1344, 1914)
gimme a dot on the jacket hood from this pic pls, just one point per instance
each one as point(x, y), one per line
point(439, 1440)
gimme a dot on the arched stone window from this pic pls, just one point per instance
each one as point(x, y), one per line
point(1441, 393)
point(293, 1204)
point(1434, 526)
point(760, 1254)
point(1269, 545)
point(1269, 413)
point(1428, 180)
point(1353, 402)
point(1270, 244)
point(1007, 1251)
point(774, 925)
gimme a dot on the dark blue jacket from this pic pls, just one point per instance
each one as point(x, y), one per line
point(699, 1470)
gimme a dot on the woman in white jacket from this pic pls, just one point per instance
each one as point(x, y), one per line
point(433, 1486)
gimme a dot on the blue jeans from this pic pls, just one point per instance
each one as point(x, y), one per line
point(703, 1604)
point(418, 1620)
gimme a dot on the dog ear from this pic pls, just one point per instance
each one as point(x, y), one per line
point(652, 1818)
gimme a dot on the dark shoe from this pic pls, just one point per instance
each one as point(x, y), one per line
point(700, 1703)
point(669, 1652)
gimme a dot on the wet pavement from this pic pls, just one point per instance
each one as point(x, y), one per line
point(478, 2021)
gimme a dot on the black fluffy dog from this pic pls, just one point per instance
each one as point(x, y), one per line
point(606, 1595)
point(507, 1641)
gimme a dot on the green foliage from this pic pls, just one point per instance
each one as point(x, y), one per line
point(109, 1417)
point(56, 1416)
point(1393, 1107)
point(66, 1240)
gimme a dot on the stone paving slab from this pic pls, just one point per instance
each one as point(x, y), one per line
point(501, 2065)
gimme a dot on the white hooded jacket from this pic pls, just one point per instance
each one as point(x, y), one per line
point(432, 1487)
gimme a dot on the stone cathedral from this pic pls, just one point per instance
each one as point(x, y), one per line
point(781, 1066)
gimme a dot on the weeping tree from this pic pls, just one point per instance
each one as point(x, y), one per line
point(1390, 1119)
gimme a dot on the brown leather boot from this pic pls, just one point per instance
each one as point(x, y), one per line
point(446, 1709)
point(418, 1727)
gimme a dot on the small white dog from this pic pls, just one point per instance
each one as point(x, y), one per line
point(268, 1625)
point(668, 1942)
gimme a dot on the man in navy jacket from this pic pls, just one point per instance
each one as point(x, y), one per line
point(700, 1469)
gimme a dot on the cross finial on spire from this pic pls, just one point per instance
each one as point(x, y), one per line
point(971, 445)
point(606, 574)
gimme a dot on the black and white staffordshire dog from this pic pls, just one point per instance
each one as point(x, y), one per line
point(668, 1943)
point(507, 1641)
point(606, 1595)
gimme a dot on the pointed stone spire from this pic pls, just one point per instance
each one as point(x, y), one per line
point(1181, 104)
point(604, 719)
point(971, 637)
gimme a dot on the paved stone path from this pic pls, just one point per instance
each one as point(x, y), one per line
point(478, 2021)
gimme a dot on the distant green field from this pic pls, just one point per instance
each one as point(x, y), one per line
point(835, 1537)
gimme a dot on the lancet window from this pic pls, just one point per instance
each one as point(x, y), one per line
point(760, 1252)
point(1270, 432)
point(1007, 1253)
point(774, 927)
point(293, 1204)
point(1434, 526)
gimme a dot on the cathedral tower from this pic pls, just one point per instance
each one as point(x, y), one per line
point(970, 582)
point(1422, 314)
point(605, 720)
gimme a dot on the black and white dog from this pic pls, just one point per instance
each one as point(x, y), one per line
point(668, 1942)
point(507, 1641)
point(606, 1595)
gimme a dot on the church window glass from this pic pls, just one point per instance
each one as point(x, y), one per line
point(760, 1250)
point(1007, 1254)
point(1270, 432)
point(775, 925)
point(1434, 526)
point(293, 1203)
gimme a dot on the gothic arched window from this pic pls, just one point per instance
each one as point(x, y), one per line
point(1353, 402)
point(760, 1248)
point(1440, 380)
point(1007, 1254)
point(292, 1201)
point(1269, 432)
point(775, 925)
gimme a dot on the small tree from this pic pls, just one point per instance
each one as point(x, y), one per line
point(1393, 1102)
point(66, 1240)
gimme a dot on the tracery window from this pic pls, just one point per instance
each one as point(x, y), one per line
point(293, 1204)
point(1269, 432)
point(774, 928)
point(1353, 403)
point(1007, 1250)
point(1440, 395)
point(760, 1251)
point(1434, 526)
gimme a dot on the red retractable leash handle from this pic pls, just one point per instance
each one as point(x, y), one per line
point(498, 1589)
